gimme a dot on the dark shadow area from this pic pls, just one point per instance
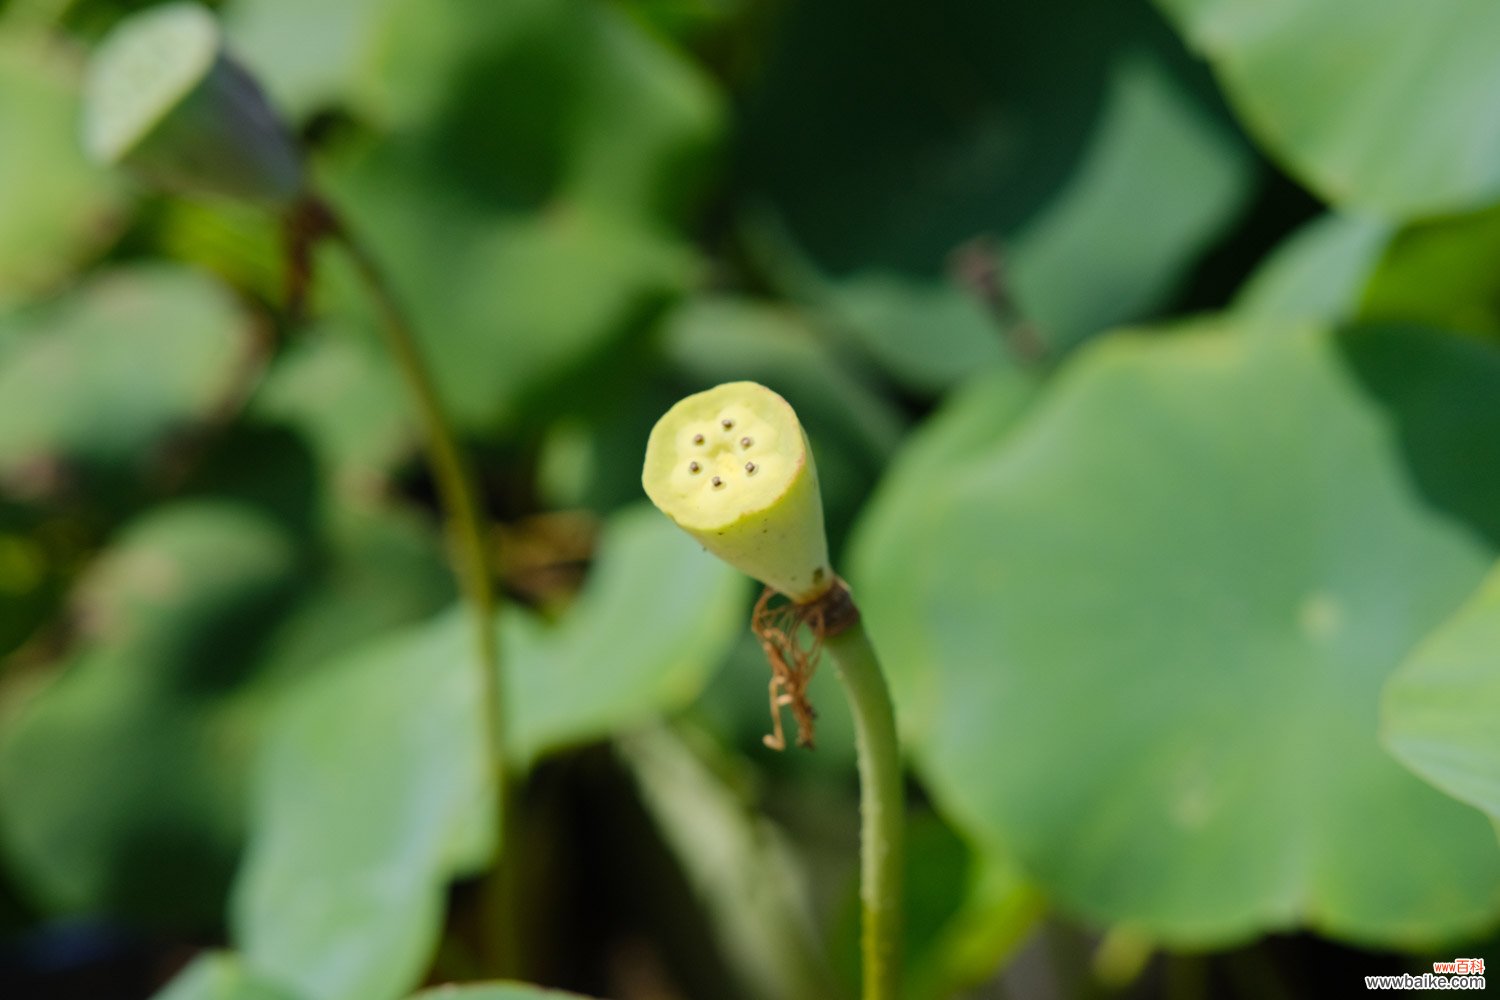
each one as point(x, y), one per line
point(1443, 395)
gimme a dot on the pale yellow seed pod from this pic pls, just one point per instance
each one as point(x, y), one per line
point(731, 466)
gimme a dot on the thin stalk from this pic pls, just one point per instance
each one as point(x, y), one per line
point(881, 809)
point(467, 528)
point(455, 485)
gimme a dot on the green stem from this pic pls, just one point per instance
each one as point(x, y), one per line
point(882, 806)
point(455, 485)
point(468, 529)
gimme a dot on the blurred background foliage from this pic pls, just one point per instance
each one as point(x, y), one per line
point(1189, 627)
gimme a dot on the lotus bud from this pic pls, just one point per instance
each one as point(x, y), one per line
point(164, 100)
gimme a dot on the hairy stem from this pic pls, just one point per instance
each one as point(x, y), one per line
point(881, 808)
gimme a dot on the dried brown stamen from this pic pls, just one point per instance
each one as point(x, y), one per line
point(782, 629)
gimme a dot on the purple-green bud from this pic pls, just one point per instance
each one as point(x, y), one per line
point(164, 100)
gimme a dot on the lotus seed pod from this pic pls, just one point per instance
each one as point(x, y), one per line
point(732, 467)
point(165, 101)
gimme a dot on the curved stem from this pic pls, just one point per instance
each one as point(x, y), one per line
point(459, 497)
point(882, 820)
point(455, 484)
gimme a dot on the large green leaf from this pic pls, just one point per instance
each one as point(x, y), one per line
point(370, 795)
point(126, 772)
point(1159, 612)
point(55, 209)
point(91, 383)
point(1440, 707)
point(371, 792)
point(1089, 155)
point(972, 423)
point(1382, 105)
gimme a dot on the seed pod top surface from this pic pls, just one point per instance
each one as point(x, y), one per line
point(732, 467)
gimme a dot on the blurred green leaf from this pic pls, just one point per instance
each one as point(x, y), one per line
point(531, 147)
point(311, 57)
point(971, 424)
point(591, 455)
point(1440, 707)
point(1158, 613)
point(90, 384)
point(535, 104)
point(341, 392)
point(217, 976)
point(371, 791)
point(990, 916)
point(741, 866)
point(657, 616)
point(1159, 180)
point(926, 334)
point(120, 776)
point(269, 467)
point(370, 795)
point(1385, 106)
point(1089, 156)
point(55, 208)
point(374, 569)
point(483, 288)
point(1440, 273)
point(1339, 268)
point(126, 773)
point(34, 563)
point(1318, 273)
point(494, 991)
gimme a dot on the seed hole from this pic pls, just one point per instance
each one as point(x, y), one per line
point(745, 442)
point(749, 468)
point(697, 439)
point(694, 468)
point(718, 482)
point(726, 423)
